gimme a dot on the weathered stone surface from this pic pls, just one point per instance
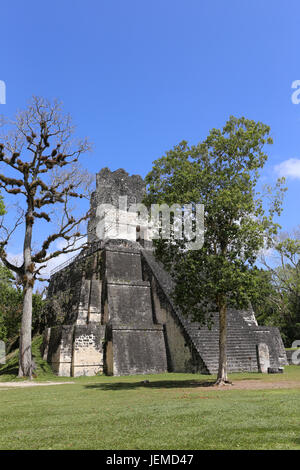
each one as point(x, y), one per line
point(275, 370)
point(60, 349)
point(278, 346)
point(182, 356)
point(109, 186)
point(263, 357)
point(136, 344)
point(2, 353)
point(94, 311)
point(130, 304)
point(138, 351)
point(123, 265)
point(45, 343)
point(87, 358)
point(112, 311)
point(249, 316)
point(201, 344)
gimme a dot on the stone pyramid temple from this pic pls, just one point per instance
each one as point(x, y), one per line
point(111, 309)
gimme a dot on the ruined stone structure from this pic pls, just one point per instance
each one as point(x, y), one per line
point(112, 312)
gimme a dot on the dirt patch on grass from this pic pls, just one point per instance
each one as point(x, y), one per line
point(257, 385)
point(5, 385)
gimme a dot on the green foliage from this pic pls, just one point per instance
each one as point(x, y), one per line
point(11, 302)
point(264, 298)
point(280, 291)
point(9, 371)
point(10, 305)
point(2, 206)
point(221, 173)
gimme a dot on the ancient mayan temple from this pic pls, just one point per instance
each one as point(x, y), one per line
point(111, 309)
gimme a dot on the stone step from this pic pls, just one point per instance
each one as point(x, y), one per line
point(242, 337)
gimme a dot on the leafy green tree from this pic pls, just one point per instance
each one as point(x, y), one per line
point(11, 301)
point(10, 305)
point(265, 299)
point(285, 293)
point(222, 173)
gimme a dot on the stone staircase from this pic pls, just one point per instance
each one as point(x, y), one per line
point(243, 333)
point(121, 319)
point(241, 343)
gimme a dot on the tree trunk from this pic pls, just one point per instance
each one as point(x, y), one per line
point(222, 377)
point(25, 355)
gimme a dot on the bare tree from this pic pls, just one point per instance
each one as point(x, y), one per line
point(39, 158)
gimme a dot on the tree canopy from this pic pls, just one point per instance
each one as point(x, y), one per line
point(222, 174)
point(278, 296)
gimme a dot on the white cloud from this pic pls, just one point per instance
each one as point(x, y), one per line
point(17, 258)
point(289, 168)
point(63, 258)
point(55, 262)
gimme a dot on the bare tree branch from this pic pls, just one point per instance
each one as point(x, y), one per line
point(40, 155)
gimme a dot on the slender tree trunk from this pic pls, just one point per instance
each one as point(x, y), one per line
point(25, 354)
point(222, 377)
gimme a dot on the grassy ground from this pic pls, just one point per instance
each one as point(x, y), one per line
point(171, 412)
point(9, 371)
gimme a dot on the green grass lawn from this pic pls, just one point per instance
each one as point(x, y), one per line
point(171, 412)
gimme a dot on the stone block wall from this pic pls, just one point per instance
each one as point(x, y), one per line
point(124, 321)
point(87, 358)
point(182, 354)
point(109, 186)
point(75, 345)
point(137, 351)
point(113, 327)
point(60, 349)
point(111, 310)
point(200, 350)
point(135, 343)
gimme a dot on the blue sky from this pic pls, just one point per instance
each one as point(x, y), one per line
point(139, 76)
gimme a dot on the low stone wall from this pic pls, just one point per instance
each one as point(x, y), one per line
point(87, 357)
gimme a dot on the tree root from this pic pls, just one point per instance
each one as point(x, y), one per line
point(222, 382)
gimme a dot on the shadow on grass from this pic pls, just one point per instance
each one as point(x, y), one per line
point(10, 370)
point(153, 385)
point(249, 378)
point(13, 369)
